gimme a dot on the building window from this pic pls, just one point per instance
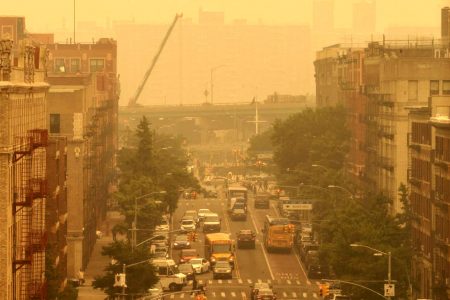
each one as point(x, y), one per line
point(434, 87)
point(96, 65)
point(60, 66)
point(7, 32)
point(75, 65)
point(446, 87)
point(412, 90)
point(55, 123)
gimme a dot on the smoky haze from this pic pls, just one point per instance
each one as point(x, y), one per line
point(261, 46)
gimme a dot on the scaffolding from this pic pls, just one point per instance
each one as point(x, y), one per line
point(29, 235)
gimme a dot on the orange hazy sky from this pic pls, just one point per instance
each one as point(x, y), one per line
point(45, 15)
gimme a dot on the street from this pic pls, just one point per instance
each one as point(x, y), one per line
point(282, 270)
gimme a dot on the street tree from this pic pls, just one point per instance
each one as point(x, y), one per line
point(139, 278)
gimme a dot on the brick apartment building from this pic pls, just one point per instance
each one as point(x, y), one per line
point(23, 184)
point(429, 184)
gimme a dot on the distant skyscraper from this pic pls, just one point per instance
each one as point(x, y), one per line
point(445, 23)
point(364, 17)
point(323, 15)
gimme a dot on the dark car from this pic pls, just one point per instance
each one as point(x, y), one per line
point(238, 214)
point(222, 269)
point(317, 271)
point(305, 247)
point(266, 294)
point(262, 200)
point(187, 254)
point(181, 242)
point(246, 239)
point(187, 270)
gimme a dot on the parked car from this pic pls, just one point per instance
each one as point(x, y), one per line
point(238, 214)
point(181, 242)
point(317, 271)
point(200, 265)
point(246, 238)
point(222, 269)
point(187, 254)
point(266, 294)
point(187, 270)
point(305, 247)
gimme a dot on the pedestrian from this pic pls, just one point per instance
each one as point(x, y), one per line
point(81, 277)
point(194, 282)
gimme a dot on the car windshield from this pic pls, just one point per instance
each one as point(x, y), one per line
point(187, 222)
point(192, 213)
point(212, 218)
point(189, 252)
point(221, 248)
point(181, 238)
point(265, 292)
point(261, 285)
point(174, 269)
point(196, 261)
point(185, 268)
point(204, 211)
point(239, 211)
point(222, 264)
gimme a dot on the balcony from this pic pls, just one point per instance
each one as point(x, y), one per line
point(386, 132)
point(413, 144)
point(386, 163)
point(441, 241)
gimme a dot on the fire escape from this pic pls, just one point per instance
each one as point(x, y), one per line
point(29, 187)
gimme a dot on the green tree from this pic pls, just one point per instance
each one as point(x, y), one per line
point(144, 160)
point(261, 142)
point(139, 278)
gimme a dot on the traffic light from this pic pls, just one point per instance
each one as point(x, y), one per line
point(120, 280)
point(324, 289)
point(194, 236)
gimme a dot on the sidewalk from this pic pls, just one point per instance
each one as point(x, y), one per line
point(97, 262)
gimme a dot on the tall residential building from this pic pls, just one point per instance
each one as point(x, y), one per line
point(243, 60)
point(429, 185)
point(82, 107)
point(323, 15)
point(23, 185)
point(364, 18)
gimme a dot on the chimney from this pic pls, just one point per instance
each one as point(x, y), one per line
point(445, 24)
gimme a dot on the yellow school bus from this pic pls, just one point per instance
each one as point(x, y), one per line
point(219, 246)
point(278, 234)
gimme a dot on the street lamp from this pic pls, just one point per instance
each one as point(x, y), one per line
point(213, 69)
point(378, 253)
point(320, 166)
point(134, 224)
point(331, 186)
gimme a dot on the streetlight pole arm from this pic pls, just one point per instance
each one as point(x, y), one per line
point(331, 186)
point(371, 248)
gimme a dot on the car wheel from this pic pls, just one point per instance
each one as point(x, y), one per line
point(173, 287)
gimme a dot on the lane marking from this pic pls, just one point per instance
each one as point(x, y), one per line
point(288, 281)
point(229, 280)
point(213, 294)
point(219, 281)
point(233, 294)
point(182, 295)
point(172, 296)
point(284, 294)
point(314, 295)
point(305, 295)
point(249, 281)
point(297, 282)
point(294, 294)
point(222, 294)
point(244, 295)
point(240, 281)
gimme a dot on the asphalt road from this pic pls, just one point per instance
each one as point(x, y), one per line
point(283, 270)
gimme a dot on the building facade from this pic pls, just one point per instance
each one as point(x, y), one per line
point(429, 185)
point(83, 105)
point(23, 185)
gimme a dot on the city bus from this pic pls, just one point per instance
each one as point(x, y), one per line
point(236, 195)
point(278, 234)
point(219, 246)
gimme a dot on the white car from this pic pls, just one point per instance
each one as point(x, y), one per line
point(188, 225)
point(202, 212)
point(200, 265)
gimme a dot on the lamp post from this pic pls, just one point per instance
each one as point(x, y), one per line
point(320, 166)
point(134, 224)
point(379, 252)
point(213, 69)
point(331, 186)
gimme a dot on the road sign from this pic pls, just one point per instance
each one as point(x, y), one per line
point(389, 290)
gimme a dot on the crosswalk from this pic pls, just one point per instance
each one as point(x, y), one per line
point(240, 281)
point(243, 295)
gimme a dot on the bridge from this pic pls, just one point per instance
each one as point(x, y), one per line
point(209, 128)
